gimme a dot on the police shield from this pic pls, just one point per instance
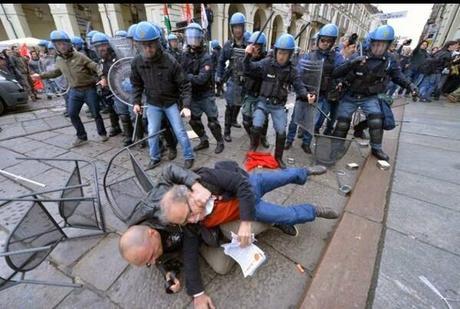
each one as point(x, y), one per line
point(235, 92)
point(305, 114)
point(62, 84)
point(123, 47)
point(119, 80)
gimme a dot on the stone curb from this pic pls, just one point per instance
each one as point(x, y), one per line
point(344, 274)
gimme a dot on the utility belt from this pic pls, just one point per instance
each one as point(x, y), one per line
point(273, 101)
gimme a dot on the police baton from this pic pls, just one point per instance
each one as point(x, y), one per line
point(264, 26)
point(304, 27)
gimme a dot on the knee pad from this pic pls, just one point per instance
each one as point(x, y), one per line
point(343, 124)
point(375, 121)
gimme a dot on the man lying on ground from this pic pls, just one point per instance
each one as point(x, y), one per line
point(235, 195)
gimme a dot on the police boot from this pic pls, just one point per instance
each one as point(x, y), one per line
point(263, 136)
point(375, 123)
point(127, 129)
point(279, 149)
point(236, 111)
point(216, 130)
point(247, 124)
point(115, 127)
point(255, 138)
point(198, 128)
point(228, 123)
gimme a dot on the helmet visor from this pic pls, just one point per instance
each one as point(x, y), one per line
point(193, 37)
point(148, 49)
point(378, 48)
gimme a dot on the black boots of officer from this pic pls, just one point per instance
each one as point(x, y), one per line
point(228, 123)
point(279, 149)
point(247, 124)
point(127, 129)
point(114, 122)
point(216, 131)
point(375, 123)
point(255, 138)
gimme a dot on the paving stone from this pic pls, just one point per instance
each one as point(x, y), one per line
point(62, 140)
point(276, 284)
point(12, 130)
point(24, 117)
point(431, 141)
point(424, 188)
point(7, 119)
point(429, 162)
point(92, 149)
point(29, 169)
point(427, 222)
point(42, 135)
point(70, 165)
point(104, 255)
point(69, 251)
point(36, 296)
point(22, 144)
point(404, 260)
point(84, 298)
point(49, 151)
point(57, 121)
point(8, 157)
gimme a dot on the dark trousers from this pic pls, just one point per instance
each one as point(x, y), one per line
point(76, 100)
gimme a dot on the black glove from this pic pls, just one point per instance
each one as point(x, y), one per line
point(358, 59)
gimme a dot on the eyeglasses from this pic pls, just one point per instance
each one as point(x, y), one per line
point(190, 215)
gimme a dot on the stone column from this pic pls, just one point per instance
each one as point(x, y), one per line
point(64, 18)
point(217, 28)
point(14, 21)
point(154, 12)
point(112, 19)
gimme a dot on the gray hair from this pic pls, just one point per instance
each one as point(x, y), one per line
point(177, 194)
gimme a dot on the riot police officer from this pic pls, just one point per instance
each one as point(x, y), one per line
point(162, 79)
point(234, 72)
point(252, 87)
point(328, 94)
point(88, 50)
point(173, 47)
point(369, 77)
point(277, 74)
point(197, 65)
point(77, 43)
point(117, 112)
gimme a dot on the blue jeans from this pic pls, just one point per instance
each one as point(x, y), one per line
point(76, 100)
point(264, 182)
point(370, 106)
point(155, 116)
point(278, 113)
point(429, 84)
point(122, 108)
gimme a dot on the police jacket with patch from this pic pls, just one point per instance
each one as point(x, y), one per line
point(252, 82)
point(332, 59)
point(276, 79)
point(198, 69)
point(162, 79)
point(372, 77)
point(226, 55)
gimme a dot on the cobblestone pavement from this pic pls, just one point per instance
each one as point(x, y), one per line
point(108, 281)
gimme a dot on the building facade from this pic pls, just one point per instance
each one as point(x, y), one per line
point(443, 24)
point(38, 20)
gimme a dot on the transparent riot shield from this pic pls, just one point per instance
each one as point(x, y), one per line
point(123, 47)
point(62, 84)
point(305, 114)
point(119, 80)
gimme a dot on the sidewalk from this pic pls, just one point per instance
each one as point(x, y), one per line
point(422, 236)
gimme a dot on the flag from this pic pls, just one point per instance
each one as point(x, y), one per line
point(204, 18)
point(167, 19)
point(24, 51)
point(188, 13)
